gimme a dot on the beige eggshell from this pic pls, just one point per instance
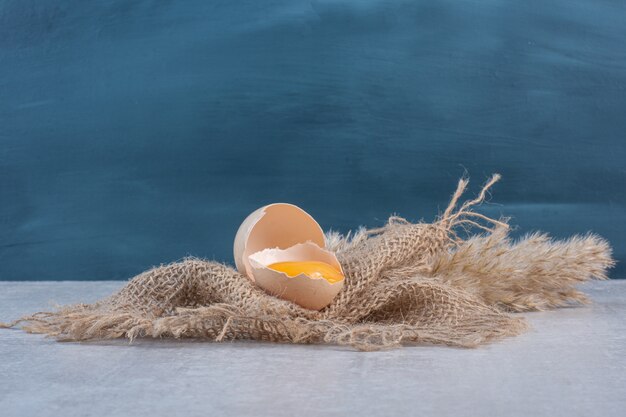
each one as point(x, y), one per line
point(278, 225)
point(311, 293)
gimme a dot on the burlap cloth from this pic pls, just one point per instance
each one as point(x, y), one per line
point(405, 283)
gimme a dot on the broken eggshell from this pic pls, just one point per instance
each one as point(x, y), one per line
point(308, 292)
point(284, 232)
point(278, 225)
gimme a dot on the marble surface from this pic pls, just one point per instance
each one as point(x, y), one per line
point(572, 362)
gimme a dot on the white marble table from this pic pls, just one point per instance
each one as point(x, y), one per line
point(571, 363)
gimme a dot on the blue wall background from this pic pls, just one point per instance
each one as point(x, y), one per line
point(138, 132)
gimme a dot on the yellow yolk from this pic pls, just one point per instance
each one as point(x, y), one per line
point(313, 269)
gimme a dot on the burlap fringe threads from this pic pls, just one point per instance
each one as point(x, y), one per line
point(405, 283)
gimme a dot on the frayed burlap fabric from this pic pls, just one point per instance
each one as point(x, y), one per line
point(405, 283)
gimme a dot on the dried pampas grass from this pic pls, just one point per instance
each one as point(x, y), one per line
point(530, 274)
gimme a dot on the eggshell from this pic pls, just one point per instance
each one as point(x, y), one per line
point(278, 225)
point(311, 293)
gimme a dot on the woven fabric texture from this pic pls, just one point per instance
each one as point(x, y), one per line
point(405, 283)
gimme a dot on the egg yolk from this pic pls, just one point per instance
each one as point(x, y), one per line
point(313, 269)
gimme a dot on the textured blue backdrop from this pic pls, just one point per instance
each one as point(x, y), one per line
point(138, 132)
